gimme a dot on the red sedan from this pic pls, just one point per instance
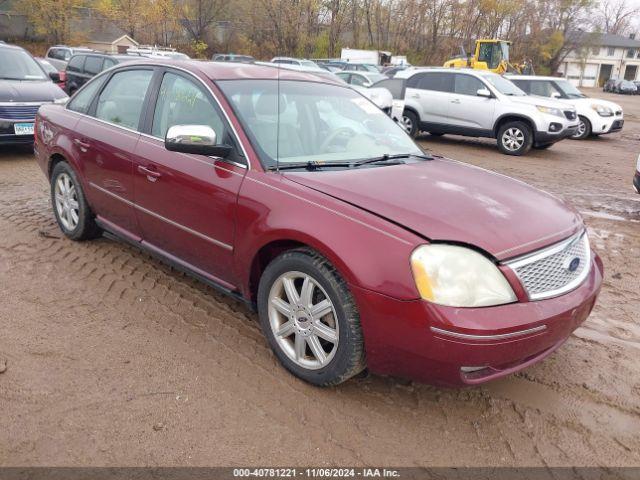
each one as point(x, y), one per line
point(297, 195)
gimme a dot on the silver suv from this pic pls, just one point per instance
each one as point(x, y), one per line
point(479, 103)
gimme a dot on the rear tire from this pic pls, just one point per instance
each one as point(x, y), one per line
point(584, 129)
point(310, 318)
point(409, 122)
point(515, 138)
point(70, 207)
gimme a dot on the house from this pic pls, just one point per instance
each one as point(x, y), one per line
point(604, 56)
point(112, 45)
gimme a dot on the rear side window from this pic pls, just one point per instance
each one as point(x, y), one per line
point(76, 63)
point(435, 81)
point(467, 84)
point(81, 101)
point(93, 65)
point(108, 63)
point(121, 100)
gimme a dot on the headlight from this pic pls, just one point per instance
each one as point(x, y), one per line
point(551, 111)
point(602, 110)
point(61, 101)
point(458, 277)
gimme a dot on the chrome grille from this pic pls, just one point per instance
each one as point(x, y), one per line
point(554, 270)
point(19, 112)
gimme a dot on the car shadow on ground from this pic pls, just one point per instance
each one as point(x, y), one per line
point(8, 152)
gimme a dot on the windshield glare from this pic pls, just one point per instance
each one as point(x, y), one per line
point(313, 122)
point(504, 86)
point(19, 65)
point(569, 90)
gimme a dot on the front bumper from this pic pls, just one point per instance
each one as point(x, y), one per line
point(546, 137)
point(8, 136)
point(443, 345)
point(607, 125)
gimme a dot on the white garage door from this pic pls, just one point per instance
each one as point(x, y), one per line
point(573, 73)
point(589, 76)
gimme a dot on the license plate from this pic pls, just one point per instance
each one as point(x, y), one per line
point(23, 128)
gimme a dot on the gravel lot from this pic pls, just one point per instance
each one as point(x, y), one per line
point(115, 359)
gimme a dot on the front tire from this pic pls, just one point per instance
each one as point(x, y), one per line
point(409, 122)
point(515, 138)
point(70, 206)
point(310, 318)
point(584, 129)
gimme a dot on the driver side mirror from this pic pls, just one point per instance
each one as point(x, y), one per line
point(555, 95)
point(55, 76)
point(484, 92)
point(197, 139)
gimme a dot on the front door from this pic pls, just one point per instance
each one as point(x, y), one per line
point(468, 111)
point(186, 204)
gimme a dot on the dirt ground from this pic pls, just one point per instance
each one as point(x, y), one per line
point(115, 359)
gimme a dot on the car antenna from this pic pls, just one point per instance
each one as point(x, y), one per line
point(278, 123)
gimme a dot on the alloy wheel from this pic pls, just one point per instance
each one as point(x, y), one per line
point(66, 199)
point(582, 128)
point(303, 320)
point(513, 139)
point(407, 124)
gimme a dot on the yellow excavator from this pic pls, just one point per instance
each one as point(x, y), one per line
point(490, 54)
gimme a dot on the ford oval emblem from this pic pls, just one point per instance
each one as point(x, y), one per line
point(574, 264)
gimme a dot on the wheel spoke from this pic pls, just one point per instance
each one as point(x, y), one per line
point(286, 329)
point(325, 331)
point(290, 289)
point(320, 309)
point(61, 186)
point(316, 349)
point(74, 204)
point(300, 346)
point(283, 307)
point(306, 293)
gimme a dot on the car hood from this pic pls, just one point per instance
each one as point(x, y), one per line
point(29, 91)
point(445, 200)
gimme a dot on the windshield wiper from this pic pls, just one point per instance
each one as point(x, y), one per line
point(310, 165)
point(386, 157)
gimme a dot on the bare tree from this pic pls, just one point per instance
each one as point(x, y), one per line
point(616, 16)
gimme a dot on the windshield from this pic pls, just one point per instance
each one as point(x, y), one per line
point(504, 86)
point(301, 122)
point(19, 65)
point(569, 90)
point(308, 63)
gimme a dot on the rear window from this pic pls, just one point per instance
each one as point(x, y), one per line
point(93, 65)
point(76, 63)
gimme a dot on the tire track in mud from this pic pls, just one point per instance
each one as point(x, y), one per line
point(527, 419)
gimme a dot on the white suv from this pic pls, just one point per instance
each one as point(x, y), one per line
point(595, 116)
point(479, 103)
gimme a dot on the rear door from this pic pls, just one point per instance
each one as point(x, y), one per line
point(92, 66)
point(430, 94)
point(74, 73)
point(106, 139)
point(185, 203)
point(471, 113)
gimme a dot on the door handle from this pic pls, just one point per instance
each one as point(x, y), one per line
point(83, 145)
point(152, 174)
point(456, 101)
point(415, 95)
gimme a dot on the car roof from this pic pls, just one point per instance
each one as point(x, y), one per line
point(410, 71)
point(240, 71)
point(11, 46)
point(533, 77)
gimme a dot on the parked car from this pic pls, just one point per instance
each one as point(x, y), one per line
point(636, 177)
point(393, 69)
point(24, 87)
point(59, 55)
point(301, 62)
point(83, 67)
point(397, 88)
point(596, 116)
point(361, 79)
point(230, 57)
point(625, 87)
point(153, 51)
point(479, 103)
point(361, 67)
point(49, 69)
point(609, 84)
point(637, 84)
point(290, 192)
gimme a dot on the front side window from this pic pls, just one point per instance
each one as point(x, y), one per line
point(121, 100)
point(467, 85)
point(81, 101)
point(182, 102)
point(294, 121)
point(17, 64)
